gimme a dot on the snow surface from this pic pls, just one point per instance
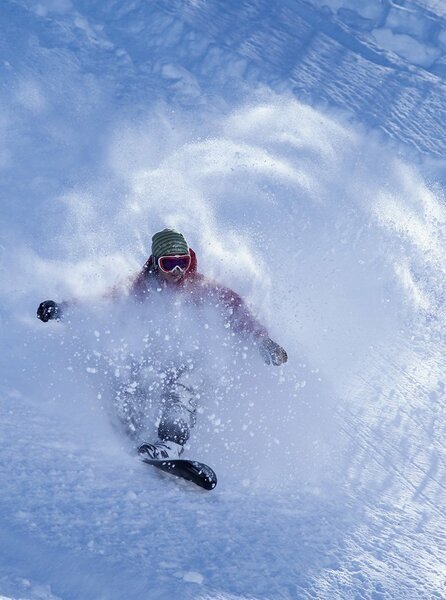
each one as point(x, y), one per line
point(299, 146)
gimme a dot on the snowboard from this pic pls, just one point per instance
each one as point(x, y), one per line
point(191, 470)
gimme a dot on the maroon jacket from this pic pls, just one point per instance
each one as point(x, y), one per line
point(202, 291)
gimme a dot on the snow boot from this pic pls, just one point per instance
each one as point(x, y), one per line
point(161, 450)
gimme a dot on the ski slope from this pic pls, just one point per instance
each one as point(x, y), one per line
point(300, 148)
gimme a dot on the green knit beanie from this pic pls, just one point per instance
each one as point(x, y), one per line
point(168, 242)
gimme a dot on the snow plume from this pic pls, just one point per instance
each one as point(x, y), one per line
point(251, 419)
point(283, 204)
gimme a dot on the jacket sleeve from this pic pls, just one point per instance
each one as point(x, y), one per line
point(238, 315)
point(138, 287)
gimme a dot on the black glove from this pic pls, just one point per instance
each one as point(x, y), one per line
point(49, 310)
point(272, 352)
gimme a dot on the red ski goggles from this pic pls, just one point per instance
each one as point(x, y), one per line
point(170, 263)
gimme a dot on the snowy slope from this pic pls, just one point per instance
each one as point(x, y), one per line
point(299, 146)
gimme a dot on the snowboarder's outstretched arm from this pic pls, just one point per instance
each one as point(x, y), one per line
point(49, 310)
point(242, 321)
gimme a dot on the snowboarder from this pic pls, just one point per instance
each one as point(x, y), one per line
point(172, 266)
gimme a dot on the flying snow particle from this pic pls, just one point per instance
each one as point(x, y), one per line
point(193, 577)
